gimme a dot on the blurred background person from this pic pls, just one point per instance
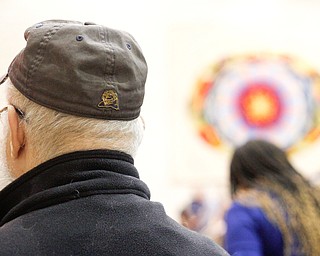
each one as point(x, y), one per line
point(204, 215)
point(275, 210)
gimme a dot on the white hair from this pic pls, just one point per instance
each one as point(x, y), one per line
point(51, 133)
point(5, 175)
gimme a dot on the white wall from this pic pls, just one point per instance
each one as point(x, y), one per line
point(179, 39)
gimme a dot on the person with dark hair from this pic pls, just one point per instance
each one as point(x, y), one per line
point(275, 211)
point(69, 133)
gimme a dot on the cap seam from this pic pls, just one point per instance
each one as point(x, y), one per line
point(39, 56)
point(109, 63)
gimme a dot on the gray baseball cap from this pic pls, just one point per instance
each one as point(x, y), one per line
point(81, 69)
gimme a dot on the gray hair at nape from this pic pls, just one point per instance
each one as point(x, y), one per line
point(51, 133)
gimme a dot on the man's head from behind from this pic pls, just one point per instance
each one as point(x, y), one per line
point(80, 87)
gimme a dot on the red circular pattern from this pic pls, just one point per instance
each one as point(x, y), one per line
point(259, 105)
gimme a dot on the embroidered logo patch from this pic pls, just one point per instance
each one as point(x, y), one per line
point(109, 100)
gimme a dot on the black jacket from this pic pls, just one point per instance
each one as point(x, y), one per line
point(90, 203)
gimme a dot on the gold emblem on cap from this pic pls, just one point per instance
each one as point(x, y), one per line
point(109, 100)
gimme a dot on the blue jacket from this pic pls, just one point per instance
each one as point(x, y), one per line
point(250, 233)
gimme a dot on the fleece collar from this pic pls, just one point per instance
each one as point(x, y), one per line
point(69, 177)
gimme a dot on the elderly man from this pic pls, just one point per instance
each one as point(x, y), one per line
point(70, 130)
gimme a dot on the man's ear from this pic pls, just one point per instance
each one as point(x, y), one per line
point(17, 135)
